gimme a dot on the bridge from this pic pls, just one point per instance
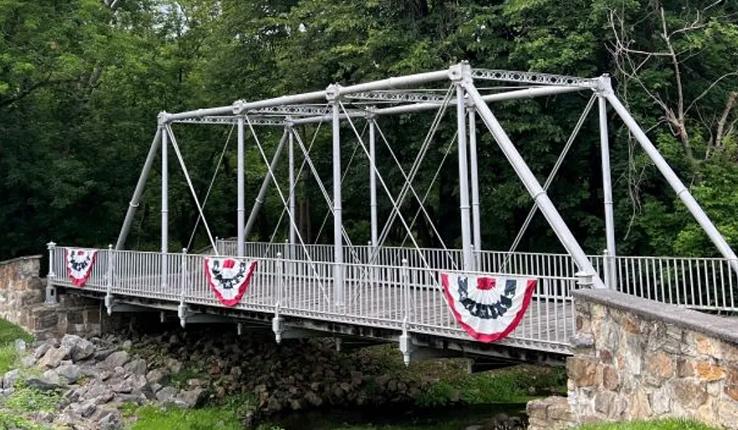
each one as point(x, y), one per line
point(391, 289)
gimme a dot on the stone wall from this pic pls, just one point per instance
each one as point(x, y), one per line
point(639, 359)
point(22, 295)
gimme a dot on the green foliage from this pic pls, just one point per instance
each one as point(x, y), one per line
point(80, 87)
point(8, 358)
point(216, 418)
point(514, 385)
point(25, 400)
point(13, 421)
point(8, 334)
point(224, 415)
point(669, 424)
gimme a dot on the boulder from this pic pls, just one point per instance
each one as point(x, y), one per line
point(96, 389)
point(103, 398)
point(10, 378)
point(137, 366)
point(174, 366)
point(156, 376)
point(84, 409)
point(20, 346)
point(138, 383)
point(53, 377)
point(190, 398)
point(166, 395)
point(102, 354)
point(53, 357)
point(116, 359)
point(28, 361)
point(70, 372)
point(82, 349)
point(42, 384)
point(110, 420)
point(41, 350)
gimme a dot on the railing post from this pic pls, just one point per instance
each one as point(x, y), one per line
point(606, 268)
point(277, 321)
point(406, 346)
point(406, 289)
point(182, 308)
point(280, 278)
point(50, 289)
point(609, 272)
point(109, 283)
point(584, 279)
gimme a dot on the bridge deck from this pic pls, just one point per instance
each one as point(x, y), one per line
point(381, 297)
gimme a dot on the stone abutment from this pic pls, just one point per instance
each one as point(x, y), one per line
point(22, 295)
point(639, 359)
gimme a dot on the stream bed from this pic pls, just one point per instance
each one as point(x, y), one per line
point(483, 417)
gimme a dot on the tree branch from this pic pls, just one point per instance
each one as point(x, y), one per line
point(729, 105)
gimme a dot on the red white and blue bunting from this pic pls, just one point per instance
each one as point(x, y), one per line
point(488, 308)
point(79, 265)
point(229, 278)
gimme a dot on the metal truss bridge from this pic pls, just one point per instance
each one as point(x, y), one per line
point(383, 291)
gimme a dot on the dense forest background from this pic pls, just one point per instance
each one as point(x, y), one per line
point(81, 83)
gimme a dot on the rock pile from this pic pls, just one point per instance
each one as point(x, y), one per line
point(296, 375)
point(97, 377)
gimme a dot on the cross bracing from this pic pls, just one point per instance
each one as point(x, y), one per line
point(344, 274)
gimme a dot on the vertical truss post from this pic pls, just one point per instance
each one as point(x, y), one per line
point(292, 205)
point(476, 221)
point(681, 190)
point(241, 206)
point(133, 204)
point(373, 183)
point(332, 97)
point(610, 279)
point(164, 200)
point(530, 182)
point(463, 169)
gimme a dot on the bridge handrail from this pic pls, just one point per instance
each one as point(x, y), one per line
point(388, 296)
point(703, 283)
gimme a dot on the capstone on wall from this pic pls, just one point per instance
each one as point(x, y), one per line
point(637, 359)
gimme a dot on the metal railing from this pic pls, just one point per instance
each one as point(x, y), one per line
point(707, 284)
point(398, 296)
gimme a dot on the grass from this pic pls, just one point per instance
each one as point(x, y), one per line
point(670, 424)
point(26, 399)
point(8, 334)
point(222, 416)
point(23, 400)
point(209, 418)
point(12, 421)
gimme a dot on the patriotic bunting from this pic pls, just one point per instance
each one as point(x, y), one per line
point(229, 278)
point(488, 308)
point(79, 265)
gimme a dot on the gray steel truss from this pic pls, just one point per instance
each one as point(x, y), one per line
point(342, 105)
